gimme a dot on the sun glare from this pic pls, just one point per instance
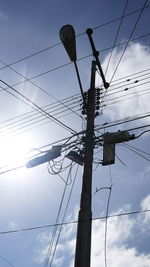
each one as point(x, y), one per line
point(14, 151)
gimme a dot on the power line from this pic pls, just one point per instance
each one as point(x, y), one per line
point(37, 108)
point(59, 43)
point(8, 262)
point(115, 102)
point(73, 222)
point(129, 40)
point(133, 150)
point(68, 201)
point(39, 87)
point(14, 127)
point(68, 100)
point(128, 79)
point(130, 83)
point(69, 63)
point(119, 27)
point(50, 246)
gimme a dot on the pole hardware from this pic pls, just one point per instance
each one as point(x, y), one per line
point(96, 55)
point(109, 141)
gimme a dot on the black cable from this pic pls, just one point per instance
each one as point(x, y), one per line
point(132, 93)
point(129, 77)
point(120, 24)
point(126, 87)
point(135, 148)
point(133, 30)
point(37, 108)
point(106, 224)
point(15, 127)
point(12, 129)
point(142, 133)
point(50, 246)
point(66, 64)
point(68, 201)
point(73, 222)
point(59, 43)
point(8, 262)
point(52, 107)
point(115, 102)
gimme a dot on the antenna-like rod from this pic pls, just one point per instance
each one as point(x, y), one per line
point(96, 55)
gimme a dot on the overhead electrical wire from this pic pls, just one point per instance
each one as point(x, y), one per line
point(134, 150)
point(37, 108)
point(16, 127)
point(50, 246)
point(64, 215)
point(131, 34)
point(5, 260)
point(129, 77)
point(125, 99)
point(125, 47)
point(66, 64)
point(5, 130)
point(79, 133)
point(73, 222)
point(118, 30)
point(126, 85)
point(39, 87)
point(59, 43)
point(71, 98)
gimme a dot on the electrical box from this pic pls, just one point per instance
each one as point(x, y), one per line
point(108, 154)
point(117, 137)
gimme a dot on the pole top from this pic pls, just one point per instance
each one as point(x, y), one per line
point(89, 31)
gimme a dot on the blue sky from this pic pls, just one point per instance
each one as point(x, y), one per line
point(31, 197)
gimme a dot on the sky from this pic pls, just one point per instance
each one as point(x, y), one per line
point(34, 63)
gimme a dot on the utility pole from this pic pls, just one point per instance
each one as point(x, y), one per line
point(83, 243)
point(90, 99)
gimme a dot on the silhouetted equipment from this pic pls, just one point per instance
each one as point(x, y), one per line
point(108, 154)
point(90, 107)
point(55, 152)
point(67, 36)
point(76, 157)
point(96, 54)
point(110, 139)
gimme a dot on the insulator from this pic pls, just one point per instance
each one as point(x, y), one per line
point(97, 107)
point(96, 113)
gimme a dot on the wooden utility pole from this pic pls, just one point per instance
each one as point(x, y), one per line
point(83, 243)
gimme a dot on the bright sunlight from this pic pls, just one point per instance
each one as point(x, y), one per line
point(14, 151)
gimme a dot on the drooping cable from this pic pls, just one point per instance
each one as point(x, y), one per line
point(50, 246)
point(68, 201)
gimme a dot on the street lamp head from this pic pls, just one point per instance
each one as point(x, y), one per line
point(67, 36)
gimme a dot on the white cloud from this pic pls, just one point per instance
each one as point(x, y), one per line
point(145, 205)
point(119, 251)
point(135, 59)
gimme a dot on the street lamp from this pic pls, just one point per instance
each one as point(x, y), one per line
point(67, 36)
